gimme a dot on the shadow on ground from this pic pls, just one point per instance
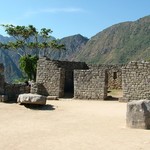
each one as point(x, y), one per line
point(68, 95)
point(12, 101)
point(39, 107)
point(111, 98)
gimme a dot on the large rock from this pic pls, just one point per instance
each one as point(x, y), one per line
point(31, 99)
point(138, 114)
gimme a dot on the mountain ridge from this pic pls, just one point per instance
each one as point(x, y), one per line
point(117, 44)
point(111, 46)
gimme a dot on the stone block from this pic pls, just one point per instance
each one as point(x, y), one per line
point(138, 114)
point(31, 99)
point(52, 98)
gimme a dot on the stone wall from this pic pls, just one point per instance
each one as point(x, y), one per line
point(114, 75)
point(55, 76)
point(10, 92)
point(136, 81)
point(13, 90)
point(90, 84)
point(69, 68)
point(2, 80)
point(50, 78)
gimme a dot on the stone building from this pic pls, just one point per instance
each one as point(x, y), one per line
point(58, 78)
point(90, 84)
point(82, 81)
point(67, 79)
point(136, 81)
point(113, 75)
point(10, 91)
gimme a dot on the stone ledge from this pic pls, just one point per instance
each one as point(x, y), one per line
point(52, 98)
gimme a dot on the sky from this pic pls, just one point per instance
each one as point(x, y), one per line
point(70, 17)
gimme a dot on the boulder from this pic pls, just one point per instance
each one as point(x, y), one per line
point(31, 99)
point(138, 114)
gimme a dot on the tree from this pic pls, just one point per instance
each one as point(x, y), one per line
point(28, 65)
point(28, 43)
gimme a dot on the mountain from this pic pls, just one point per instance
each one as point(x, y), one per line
point(10, 58)
point(73, 45)
point(10, 61)
point(11, 69)
point(118, 44)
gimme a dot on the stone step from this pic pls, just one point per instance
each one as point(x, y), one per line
point(52, 98)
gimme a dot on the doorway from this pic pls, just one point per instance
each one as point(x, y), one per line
point(69, 84)
point(114, 92)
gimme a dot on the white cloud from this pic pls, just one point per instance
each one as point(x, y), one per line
point(65, 10)
point(54, 10)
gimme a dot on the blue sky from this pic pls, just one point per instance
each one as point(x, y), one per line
point(69, 17)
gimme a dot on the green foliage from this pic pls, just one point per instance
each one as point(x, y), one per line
point(28, 65)
point(28, 40)
point(20, 80)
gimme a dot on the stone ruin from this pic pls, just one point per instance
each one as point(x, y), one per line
point(81, 81)
point(58, 78)
point(10, 91)
point(136, 91)
point(67, 79)
point(76, 79)
point(136, 81)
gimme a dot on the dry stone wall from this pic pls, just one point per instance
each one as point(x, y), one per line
point(2, 80)
point(55, 78)
point(13, 90)
point(90, 84)
point(136, 81)
point(50, 78)
point(114, 77)
point(55, 75)
point(69, 68)
point(113, 73)
point(3, 97)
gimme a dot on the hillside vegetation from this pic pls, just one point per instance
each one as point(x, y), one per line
point(118, 44)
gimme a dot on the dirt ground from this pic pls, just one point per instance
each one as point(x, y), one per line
point(69, 125)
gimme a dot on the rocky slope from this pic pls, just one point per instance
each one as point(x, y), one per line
point(118, 44)
point(73, 45)
point(10, 62)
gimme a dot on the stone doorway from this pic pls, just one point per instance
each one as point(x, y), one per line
point(69, 84)
point(113, 92)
